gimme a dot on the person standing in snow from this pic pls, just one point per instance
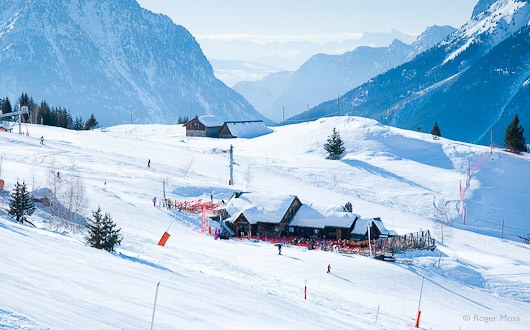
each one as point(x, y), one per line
point(329, 268)
point(154, 202)
point(279, 249)
point(149, 163)
point(42, 139)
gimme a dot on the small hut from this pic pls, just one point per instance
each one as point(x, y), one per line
point(204, 126)
point(243, 129)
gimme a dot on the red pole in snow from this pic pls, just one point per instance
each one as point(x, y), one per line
point(417, 324)
point(305, 290)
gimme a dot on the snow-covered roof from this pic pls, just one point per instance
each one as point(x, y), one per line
point(210, 121)
point(7, 127)
point(259, 207)
point(248, 129)
point(361, 226)
point(306, 216)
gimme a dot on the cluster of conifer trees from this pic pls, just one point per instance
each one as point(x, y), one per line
point(45, 115)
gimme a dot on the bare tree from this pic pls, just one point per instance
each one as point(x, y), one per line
point(53, 186)
point(75, 198)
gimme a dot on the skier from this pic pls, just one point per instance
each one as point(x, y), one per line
point(42, 139)
point(329, 268)
point(149, 163)
point(154, 202)
point(279, 249)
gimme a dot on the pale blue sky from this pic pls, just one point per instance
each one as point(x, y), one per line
point(310, 17)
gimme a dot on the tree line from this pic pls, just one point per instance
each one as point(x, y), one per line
point(43, 114)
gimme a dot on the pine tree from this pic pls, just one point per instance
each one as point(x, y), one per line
point(95, 229)
point(514, 136)
point(91, 123)
point(23, 100)
point(78, 123)
point(112, 235)
point(21, 205)
point(435, 131)
point(101, 232)
point(347, 207)
point(6, 106)
point(334, 146)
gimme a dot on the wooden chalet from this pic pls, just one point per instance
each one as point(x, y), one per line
point(260, 215)
point(253, 214)
point(309, 223)
point(203, 126)
point(243, 129)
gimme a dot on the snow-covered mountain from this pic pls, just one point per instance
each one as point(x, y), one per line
point(109, 57)
point(481, 6)
point(472, 83)
point(326, 76)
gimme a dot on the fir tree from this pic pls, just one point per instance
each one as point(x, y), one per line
point(334, 146)
point(78, 123)
point(95, 229)
point(435, 131)
point(21, 205)
point(112, 235)
point(6, 106)
point(347, 207)
point(514, 136)
point(24, 100)
point(101, 232)
point(91, 123)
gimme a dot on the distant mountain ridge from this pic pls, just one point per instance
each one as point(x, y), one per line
point(472, 83)
point(326, 76)
point(109, 57)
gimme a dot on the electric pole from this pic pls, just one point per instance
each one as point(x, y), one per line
point(231, 182)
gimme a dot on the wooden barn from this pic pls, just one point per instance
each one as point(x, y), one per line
point(243, 129)
point(204, 126)
point(310, 223)
point(261, 215)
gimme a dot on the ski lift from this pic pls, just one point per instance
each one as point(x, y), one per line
point(23, 110)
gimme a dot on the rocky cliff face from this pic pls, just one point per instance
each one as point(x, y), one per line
point(110, 58)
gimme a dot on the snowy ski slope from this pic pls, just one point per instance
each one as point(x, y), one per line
point(53, 280)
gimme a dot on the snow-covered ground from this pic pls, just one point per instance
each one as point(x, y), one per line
point(53, 280)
